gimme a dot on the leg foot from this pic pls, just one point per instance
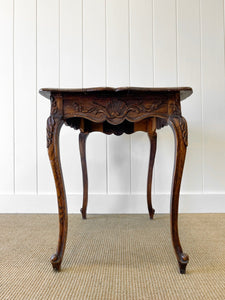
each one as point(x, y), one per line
point(56, 262)
point(83, 214)
point(153, 141)
point(183, 263)
point(151, 213)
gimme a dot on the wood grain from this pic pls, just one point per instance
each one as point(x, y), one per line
point(123, 113)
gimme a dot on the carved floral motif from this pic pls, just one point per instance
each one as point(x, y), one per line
point(175, 108)
point(50, 130)
point(184, 129)
point(117, 109)
point(54, 108)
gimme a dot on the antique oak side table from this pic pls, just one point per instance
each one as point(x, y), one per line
point(117, 111)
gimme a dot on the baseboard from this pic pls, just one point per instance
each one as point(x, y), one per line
point(113, 203)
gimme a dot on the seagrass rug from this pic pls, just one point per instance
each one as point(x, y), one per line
point(112, 257)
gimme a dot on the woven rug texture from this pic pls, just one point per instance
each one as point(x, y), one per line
point(112, 257)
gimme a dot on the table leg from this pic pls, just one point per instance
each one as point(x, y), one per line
point(53, 128)
point(179, 127)
point(153, 142)
point(82, 144)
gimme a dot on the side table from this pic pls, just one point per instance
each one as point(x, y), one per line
point(117, 111)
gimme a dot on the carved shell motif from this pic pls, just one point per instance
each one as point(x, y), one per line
point(116, 111)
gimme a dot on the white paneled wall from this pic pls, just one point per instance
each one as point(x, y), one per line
point(87, 43)
point(7, 123)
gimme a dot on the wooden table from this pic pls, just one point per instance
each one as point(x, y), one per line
point(117, 111)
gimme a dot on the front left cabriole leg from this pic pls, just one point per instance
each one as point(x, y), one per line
point(179, 127)
point(54, 125)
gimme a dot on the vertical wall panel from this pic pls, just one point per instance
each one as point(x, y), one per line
point(117, 33)
point(70, 44)
point(25, 95)
point(189, 74)
point(71, 77)
point(165, 42)
point(141, 74)
point(47, 76)
point(6, 84)
point(140, 152)
point(119, 164)
point(141, 39)
point(94, 43)
point(165, 75)
point(213, 95)
point(94, 75)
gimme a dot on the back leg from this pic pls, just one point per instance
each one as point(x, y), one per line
point(153, 142)
point(82, 145)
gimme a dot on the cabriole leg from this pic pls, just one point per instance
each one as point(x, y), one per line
point(153, 142)
point(82, 144)
point(179, 127)
point(54, 125)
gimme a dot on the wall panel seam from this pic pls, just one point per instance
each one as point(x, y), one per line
point(82, 42)
point(14, 129)
point(105, 46)
point(129, 38)
point(177, 41)
point(36, 104)
point(153, 48)
point(201, 95)
point(129, 80)
point(224, 34)
point(106, 83)
point(153, 77)
point(59, 42)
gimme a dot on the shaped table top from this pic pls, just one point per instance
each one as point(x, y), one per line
point(184, 91)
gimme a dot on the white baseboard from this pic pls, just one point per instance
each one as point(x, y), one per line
point(113, 203)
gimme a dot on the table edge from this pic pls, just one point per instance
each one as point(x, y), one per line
point(184, 91)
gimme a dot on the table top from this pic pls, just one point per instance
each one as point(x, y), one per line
point(184, 91)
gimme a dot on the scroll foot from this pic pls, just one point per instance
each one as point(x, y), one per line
point(151, 213)
point(56, 262)
point(83, 214)
point(183, 264)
